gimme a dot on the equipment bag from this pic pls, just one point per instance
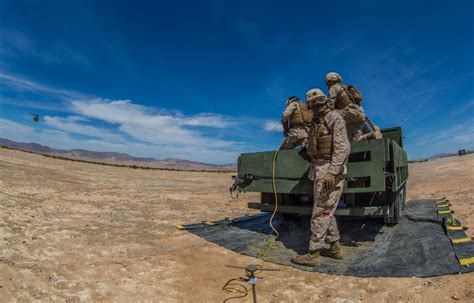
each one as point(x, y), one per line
point(301, 116)
point(353, 93)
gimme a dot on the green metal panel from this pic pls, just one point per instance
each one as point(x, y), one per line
point(291, 172)
point(394, 133)
point(374, 169)
point(400, 165)
point(255, 169)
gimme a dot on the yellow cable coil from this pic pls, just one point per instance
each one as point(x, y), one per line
point(236, 285)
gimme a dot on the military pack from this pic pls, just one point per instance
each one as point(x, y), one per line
point(319, 141)
point(301, 116)
point(353, 93)
point(347, 95)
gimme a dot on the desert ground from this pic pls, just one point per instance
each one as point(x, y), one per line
point(73, 232)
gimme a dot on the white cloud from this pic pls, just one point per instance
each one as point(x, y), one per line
point(22, 84)
point(71, 125)
point(207, 120)
point(120, 125)
point(273, 126)
point(10, 129)
point(144, 124)
point(458, 136)
point(62, 140)
point(461, 133)
point(51, 106)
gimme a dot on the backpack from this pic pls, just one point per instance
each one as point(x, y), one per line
point(353, 93)
point(302, 115)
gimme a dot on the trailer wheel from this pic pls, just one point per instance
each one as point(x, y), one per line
point(396, 210)
point(404, 195)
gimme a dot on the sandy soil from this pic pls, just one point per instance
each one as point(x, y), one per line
point(75, 232)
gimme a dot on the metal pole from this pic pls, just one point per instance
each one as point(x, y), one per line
point(254, 292)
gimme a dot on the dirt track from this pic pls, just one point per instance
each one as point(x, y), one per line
point(82, 232)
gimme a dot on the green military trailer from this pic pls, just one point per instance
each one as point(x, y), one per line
point(375, 182)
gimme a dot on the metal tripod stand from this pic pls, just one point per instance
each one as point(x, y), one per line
point(251, 278)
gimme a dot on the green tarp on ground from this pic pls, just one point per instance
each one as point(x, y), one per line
point(417, 246)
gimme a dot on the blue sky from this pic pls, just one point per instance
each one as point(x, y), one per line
point(207, 80)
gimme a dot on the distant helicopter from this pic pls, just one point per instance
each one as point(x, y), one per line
point(35, 117)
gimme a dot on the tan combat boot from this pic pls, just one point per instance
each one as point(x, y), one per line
point(334, 251)
point(309, 259)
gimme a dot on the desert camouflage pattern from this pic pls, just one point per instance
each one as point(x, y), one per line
point(335, 90)
point(323, 223)
point(333, 77)
point(315, 96)
point(296, 135)
point(353, 114)
point(334, 125)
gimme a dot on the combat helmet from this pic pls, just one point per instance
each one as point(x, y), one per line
point(333, 77)
point(315, 96)
point(291, 99)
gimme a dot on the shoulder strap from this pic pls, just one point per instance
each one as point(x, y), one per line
point(348, 93)
point(325, 121)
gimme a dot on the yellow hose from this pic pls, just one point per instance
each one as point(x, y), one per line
point(275, 193)
point(236, 286)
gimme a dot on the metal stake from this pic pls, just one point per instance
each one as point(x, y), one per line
point(251, 278)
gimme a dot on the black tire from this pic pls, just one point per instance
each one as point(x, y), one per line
point(404, 195)
point(396, 210)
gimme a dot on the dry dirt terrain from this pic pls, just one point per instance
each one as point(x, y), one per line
point(73, 232)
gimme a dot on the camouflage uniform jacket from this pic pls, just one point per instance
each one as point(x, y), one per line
point(323, 223)
point(334, 91)
point(285, 117)
point(353, 114)
point(335, 126)
point(298, 131)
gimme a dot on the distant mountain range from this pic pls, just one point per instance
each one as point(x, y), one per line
point(116, 158)
point(442, 155)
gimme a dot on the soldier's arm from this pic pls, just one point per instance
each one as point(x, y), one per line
point(334, 91)
point(286, 129)
point(288, 111)
point(286, 116)
point(341, 146)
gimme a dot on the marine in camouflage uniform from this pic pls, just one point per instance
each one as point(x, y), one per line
point(296, 121)
point(352, 113)
point(329, 148)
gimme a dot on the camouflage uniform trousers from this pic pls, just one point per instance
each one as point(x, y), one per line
point(323, 223)
point(354, 116)
point(298, 135)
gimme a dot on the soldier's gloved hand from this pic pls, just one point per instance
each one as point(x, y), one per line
point(329, 181)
